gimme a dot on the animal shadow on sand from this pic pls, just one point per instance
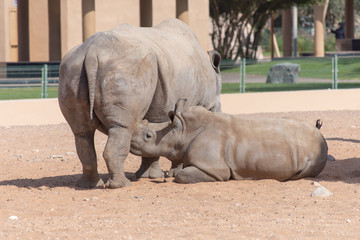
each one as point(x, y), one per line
point(341, 170)
point(56, 181)
point(344, 170)
point(343, 139)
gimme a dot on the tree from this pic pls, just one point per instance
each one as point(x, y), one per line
point(238, 24)
point(335, 12)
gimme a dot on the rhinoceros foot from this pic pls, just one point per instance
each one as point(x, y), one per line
point(149, 168)
point(86, 183)
point(149, 172)
point(117, 184)
point(175, 169)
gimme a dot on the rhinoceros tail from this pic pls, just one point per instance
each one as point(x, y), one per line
point(319, 124)
point(91, 67)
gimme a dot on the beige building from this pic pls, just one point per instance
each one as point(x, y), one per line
point(44, 30)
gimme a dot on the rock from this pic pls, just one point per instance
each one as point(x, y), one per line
point(56, 156)
point(13, 218)
point(321, 192)
point(283, 73)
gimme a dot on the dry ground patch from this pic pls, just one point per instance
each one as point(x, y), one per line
point(39, 199)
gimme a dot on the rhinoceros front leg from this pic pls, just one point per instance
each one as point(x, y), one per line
point(116, 150)
point(192, 174)
point(86, 151)
point(149, 168)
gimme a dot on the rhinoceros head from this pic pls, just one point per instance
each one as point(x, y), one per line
point(158, 139)
point(168, 139)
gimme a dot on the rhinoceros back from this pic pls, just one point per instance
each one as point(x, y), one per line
point(185, 71)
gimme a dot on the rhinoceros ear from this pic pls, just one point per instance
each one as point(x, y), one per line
point(175, 121)
point(215, 60)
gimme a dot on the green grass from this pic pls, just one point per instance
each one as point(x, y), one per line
point(26, 93)
point(264, 87)
point(348, 68)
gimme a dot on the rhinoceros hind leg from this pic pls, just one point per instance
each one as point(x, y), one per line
point(149, 168)
point(192, 174)
point(116, 150)
point(86, 151)
point(176, 167)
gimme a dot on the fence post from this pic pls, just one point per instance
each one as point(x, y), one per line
point(335, 71)
point(44, 81)
point(242, 74)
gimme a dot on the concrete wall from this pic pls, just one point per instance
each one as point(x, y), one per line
point(163, 9)
point(47, 111)
point(71, 24)
point(38, 30)
point(110, 13)
point(48, 29)
point(5, 6)
point(199, 21)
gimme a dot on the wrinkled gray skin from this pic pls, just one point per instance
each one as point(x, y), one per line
point(119, 77)
point(219, 146)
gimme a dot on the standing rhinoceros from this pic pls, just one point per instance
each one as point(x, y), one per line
point(119, 77)
point(218, 147)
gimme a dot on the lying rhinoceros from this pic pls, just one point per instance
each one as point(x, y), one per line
point(218, 146)
point(119, 77)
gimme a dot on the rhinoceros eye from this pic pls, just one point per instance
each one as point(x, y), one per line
point(148, 136)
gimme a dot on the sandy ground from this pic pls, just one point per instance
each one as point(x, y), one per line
point(39, 199)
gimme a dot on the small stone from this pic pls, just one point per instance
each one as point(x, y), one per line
point(138, 197)
point(321, 192)
point(56, 156)
point(348, 221)
point(331, 158)
point(13, 218)
point(86, 199)
point(69, 153)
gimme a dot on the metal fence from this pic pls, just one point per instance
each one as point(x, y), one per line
point(330, 72)
point(18, 75)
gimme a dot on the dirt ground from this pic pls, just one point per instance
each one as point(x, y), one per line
point(39, 199)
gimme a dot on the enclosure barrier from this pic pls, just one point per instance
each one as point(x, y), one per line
point(44, 81)
point(334, 71)
point(330, 72)
point(29, 76)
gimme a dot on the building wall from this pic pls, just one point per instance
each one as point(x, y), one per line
point(5, 6)
point(163, 9)
point(38, 30)
point(71, 24)
point(110, 13)
point(199, 21)
point(48, 29)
